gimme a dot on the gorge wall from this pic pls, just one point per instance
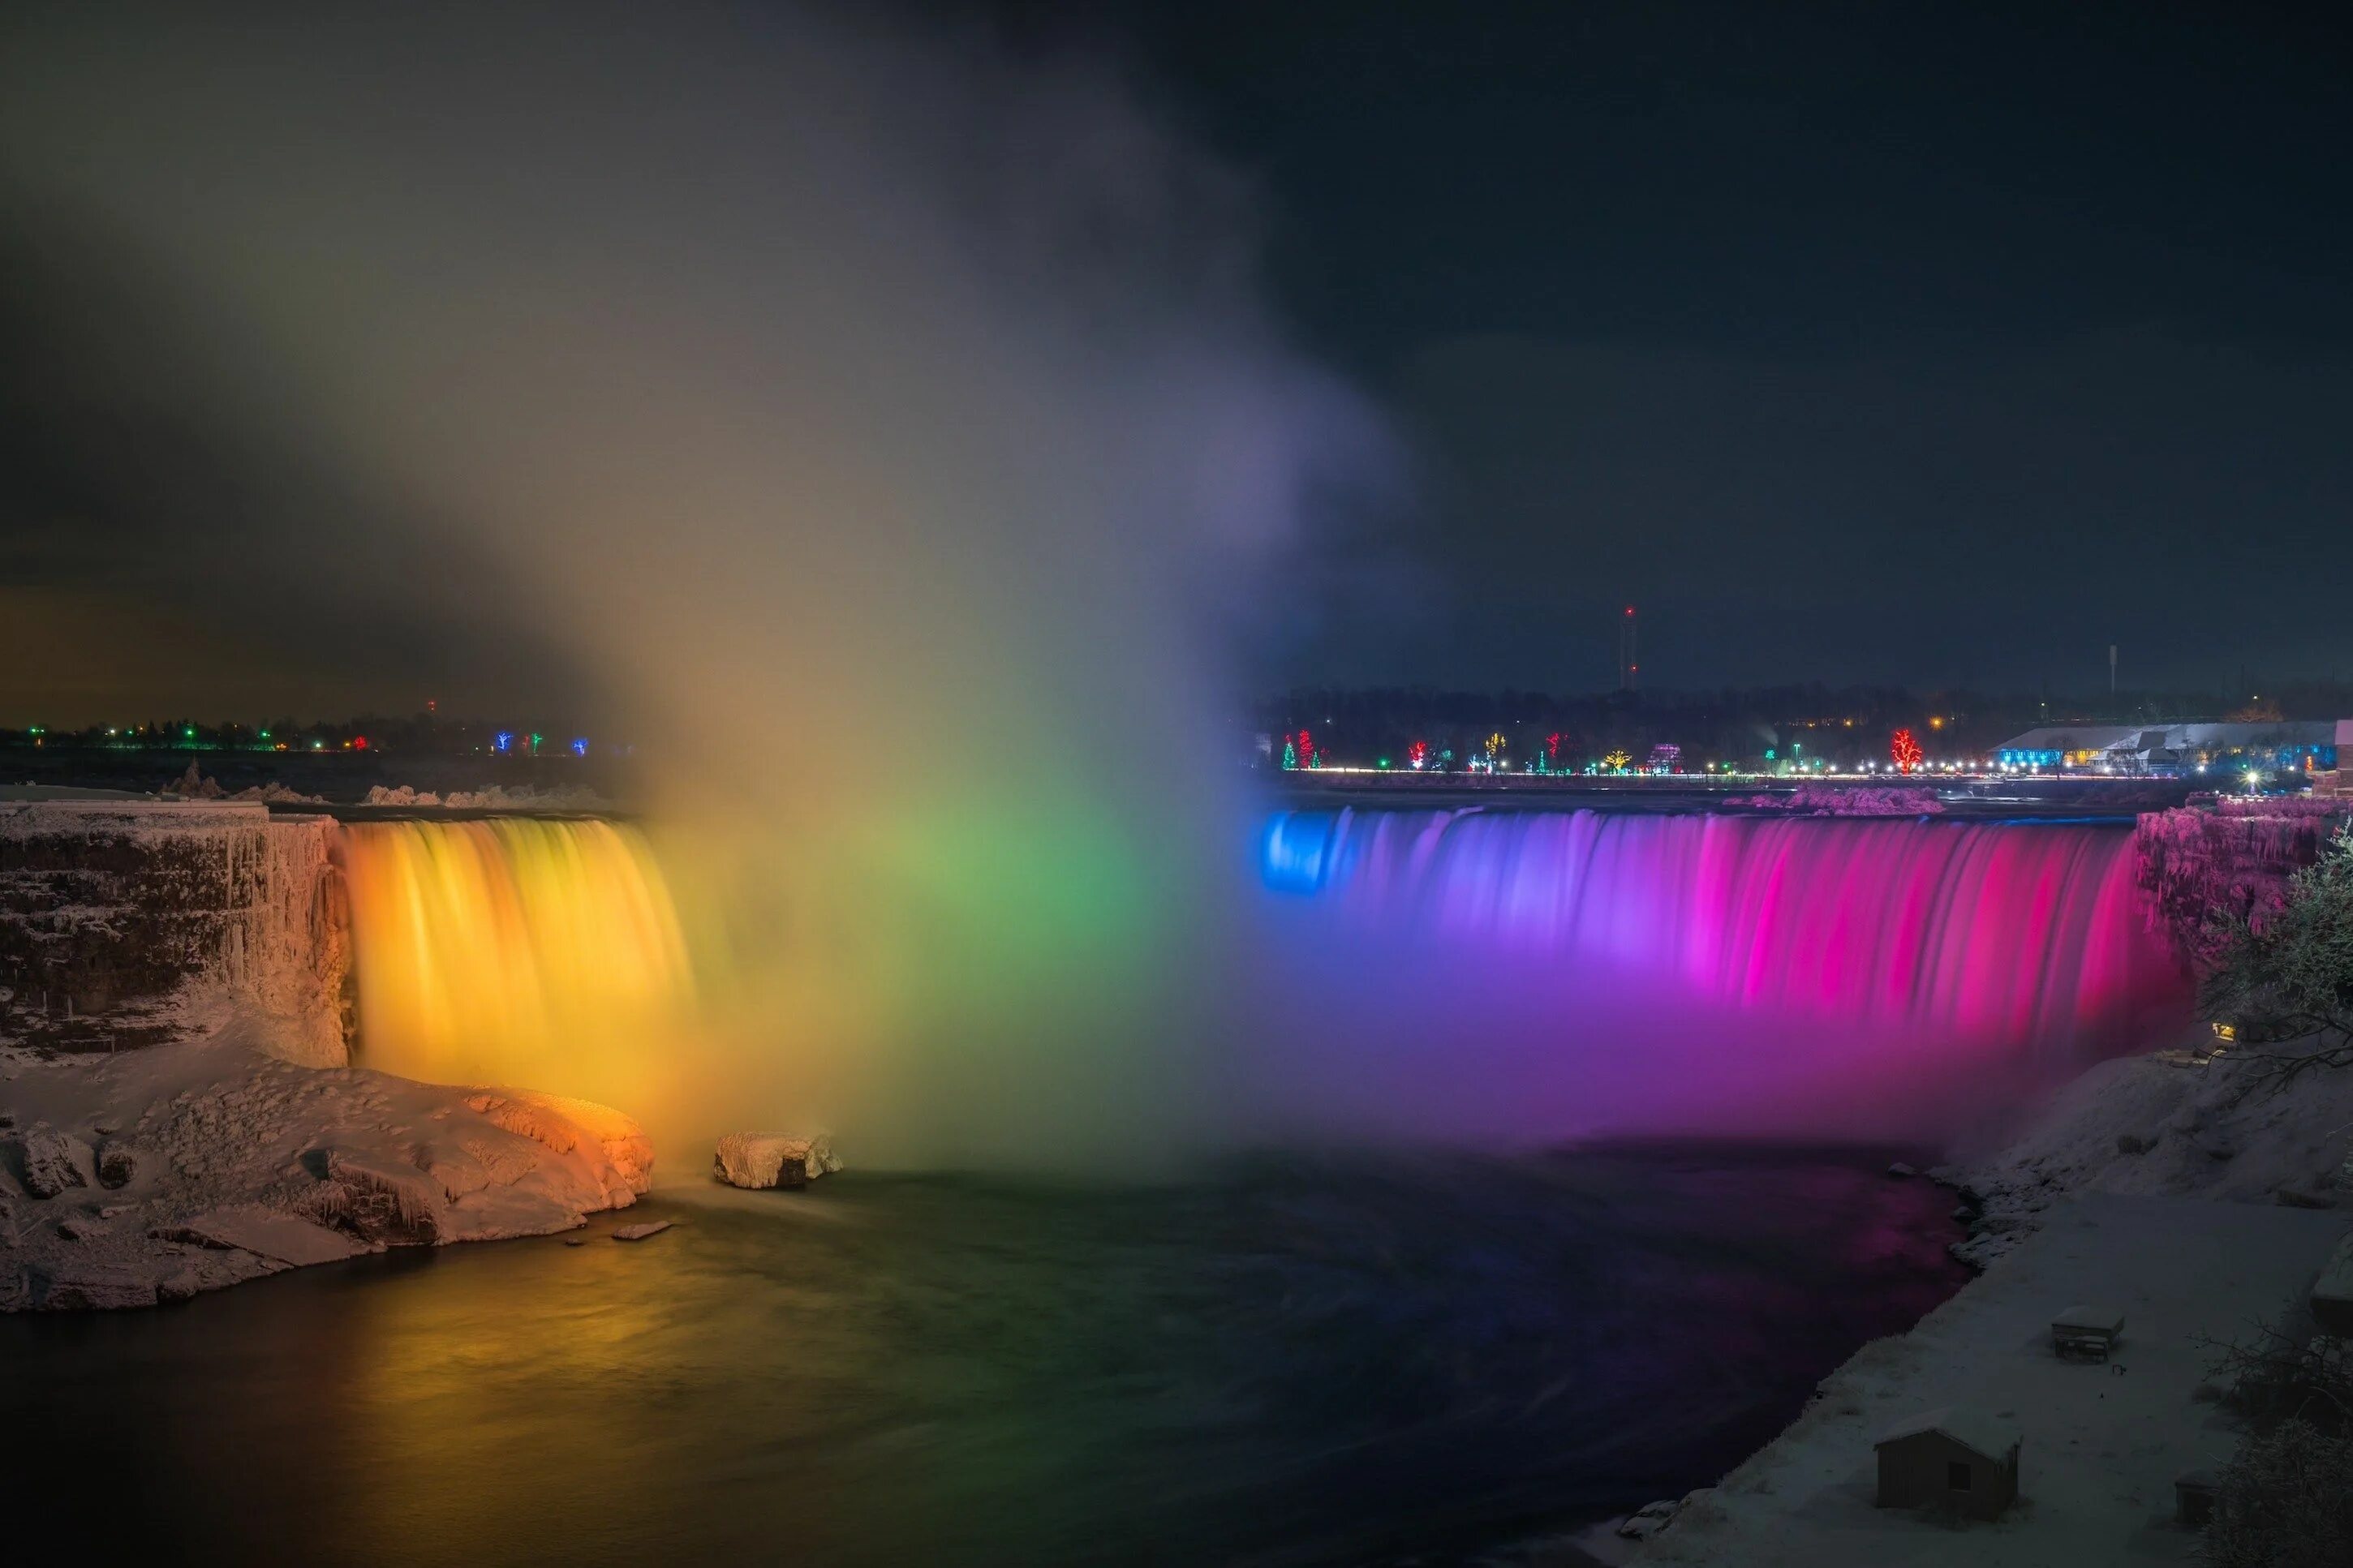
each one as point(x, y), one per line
point(124, 921)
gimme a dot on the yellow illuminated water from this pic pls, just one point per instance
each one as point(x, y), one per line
point(513, 950)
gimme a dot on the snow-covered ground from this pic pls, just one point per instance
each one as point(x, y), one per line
point(161, 1173)
point(2148, 1184)
point(2103, 1444)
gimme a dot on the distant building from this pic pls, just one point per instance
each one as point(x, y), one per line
point(2169, 751)
point(1957, 1459)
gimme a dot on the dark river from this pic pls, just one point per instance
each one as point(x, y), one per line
point(1304, 1360)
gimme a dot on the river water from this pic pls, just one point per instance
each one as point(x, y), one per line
point(1304, 1360)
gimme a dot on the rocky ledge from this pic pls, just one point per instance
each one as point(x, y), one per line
point(190, 1167)
point(762, 1160)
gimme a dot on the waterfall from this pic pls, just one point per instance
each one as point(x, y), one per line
point(1652, 969)
point(511, 949)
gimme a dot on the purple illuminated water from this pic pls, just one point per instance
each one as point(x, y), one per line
point(1547, 972)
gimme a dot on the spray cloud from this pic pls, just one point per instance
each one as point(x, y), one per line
point(875, 426)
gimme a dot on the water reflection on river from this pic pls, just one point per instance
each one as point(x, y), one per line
point(1299, 1361)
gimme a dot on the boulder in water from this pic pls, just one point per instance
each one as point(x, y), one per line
point(759, 1160)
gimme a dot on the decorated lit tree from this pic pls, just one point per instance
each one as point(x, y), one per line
point(1904, 747)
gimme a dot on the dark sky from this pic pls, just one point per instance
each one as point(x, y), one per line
point(1929, 343)
point(1926, 343)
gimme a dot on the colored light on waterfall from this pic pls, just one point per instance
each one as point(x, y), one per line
point(2022, 937)
point(486, 951)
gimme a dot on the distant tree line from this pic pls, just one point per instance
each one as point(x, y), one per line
point(421, 733)
point(1844, 726)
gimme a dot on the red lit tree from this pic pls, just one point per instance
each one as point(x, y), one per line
point(1904, 747)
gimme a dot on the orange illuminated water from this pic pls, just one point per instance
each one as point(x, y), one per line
point(490, 951)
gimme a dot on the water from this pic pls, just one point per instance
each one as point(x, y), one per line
point(2026, 935)
point(1534, 975)
point(1295, 1360)
point(511, 950)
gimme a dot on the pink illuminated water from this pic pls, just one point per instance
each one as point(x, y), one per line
point(1630, 970)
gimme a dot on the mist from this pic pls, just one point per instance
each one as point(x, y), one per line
point(879, 426)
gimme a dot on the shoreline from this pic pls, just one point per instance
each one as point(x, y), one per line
point(2137, 1182)
point(159, 1173)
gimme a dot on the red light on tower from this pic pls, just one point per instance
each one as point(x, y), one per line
point(1904, 747)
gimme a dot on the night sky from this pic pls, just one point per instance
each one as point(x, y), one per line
point(1927, 343)
point(1940, 345)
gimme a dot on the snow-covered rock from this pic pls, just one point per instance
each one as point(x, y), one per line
point(116, 1164)
point(245, 1165)
point(93, 1286)
point(639, 1232)
point(761, 1159)
point(266, 1233)
point(1649, 1520)
point(53, 1162)
point(382, 1201)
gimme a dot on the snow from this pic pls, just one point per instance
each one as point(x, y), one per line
point(247, 1165)
point(2153, 1188)
point(497, 797)
point(1967, 1424)
point(762, 1160)
point(2102, 1443)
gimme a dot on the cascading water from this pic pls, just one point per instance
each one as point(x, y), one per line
point(513, 950)
point(1522, 975)
point(1620, 971)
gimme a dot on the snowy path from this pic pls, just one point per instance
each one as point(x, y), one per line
point(2101, 1447)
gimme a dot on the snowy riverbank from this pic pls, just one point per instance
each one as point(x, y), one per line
point(157, 1174)
point(2147, 1183)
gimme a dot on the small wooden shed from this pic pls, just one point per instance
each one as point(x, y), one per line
point(1957, 1460)
point(2193, 1499)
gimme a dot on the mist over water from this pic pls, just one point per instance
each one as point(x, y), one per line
point(879, 428)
